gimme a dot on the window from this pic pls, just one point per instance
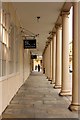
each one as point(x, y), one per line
point(9, 62)
point(0, 59)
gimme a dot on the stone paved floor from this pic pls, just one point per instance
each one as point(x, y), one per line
point(38, 99)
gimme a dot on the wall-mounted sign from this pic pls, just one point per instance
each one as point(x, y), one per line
point(29, 43)
point(33, 56)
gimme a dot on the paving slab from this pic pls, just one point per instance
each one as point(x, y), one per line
point(38, 99)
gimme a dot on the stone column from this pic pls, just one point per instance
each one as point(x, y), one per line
point(53, 58)
point(43, 61)
point(75, 104)
point(65, 89)
point(48, 61)
point(58, 56)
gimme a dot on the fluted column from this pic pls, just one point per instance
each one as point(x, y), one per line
point(53, 58)
point(65, 89)
point(58, 56)
point(75, 104)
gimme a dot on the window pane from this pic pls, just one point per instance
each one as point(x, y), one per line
point(0, 50)
point(17, 67)
point(3, 67)
point(11, 67)
point(0, 67)
point(1, 32)
point(7, 21)
point(4, 52)
point(4, 36)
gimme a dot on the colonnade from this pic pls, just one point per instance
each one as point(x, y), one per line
point(56, 57)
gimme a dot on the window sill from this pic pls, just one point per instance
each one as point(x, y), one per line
point(8, 76)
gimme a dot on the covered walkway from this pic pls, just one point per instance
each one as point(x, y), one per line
point(38, 99)
point(39, 36)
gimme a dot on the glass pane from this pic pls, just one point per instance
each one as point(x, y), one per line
point(7, 21)
point(0, 68)
point(3, 67)
point(4, 54)
point(0, 50)
point(17, 67)
point(11, 67)
point(4, 36)
point(0, 32)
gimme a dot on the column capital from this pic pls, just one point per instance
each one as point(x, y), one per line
point(65, 13)
point(49, 38)
point(47, 43)
point(57, 26)
point(53, 33)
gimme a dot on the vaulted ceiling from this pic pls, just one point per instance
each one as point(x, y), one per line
point(47, 11)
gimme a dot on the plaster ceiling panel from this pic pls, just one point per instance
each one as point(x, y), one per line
point(48, 13)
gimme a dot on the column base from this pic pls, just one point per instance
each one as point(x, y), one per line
point(57, 86)
point(49, 79)
point(65, 93)
point(74, 107)
point(52, 82)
